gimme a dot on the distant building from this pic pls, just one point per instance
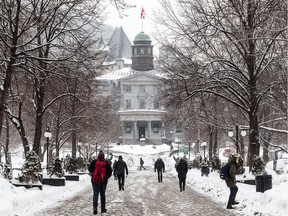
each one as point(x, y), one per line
point(136, 88)
point(119, 51)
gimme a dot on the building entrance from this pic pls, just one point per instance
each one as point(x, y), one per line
point(141, 132)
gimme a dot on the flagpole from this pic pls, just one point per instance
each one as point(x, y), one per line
point(142, 15)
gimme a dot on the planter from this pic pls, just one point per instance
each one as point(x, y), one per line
point(54, 181)
point(263, 183)
point(26, 185)
point(250, 182)
point(83, 173)
point(205, 171)
point(72, 177)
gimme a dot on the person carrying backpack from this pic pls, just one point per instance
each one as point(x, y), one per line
point(100, 171)
point(182, 169)
point(160, 167)
point(119, 170)
point(231, 181)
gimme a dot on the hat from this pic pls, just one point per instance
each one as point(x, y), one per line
point(101, 155)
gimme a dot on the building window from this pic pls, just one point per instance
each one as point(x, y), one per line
point(128, 130)
point(135, 50)
point(142, 51)
point(127, 88)
point(128, 127)
point(149, 51)
point(128, 104)
point(178, 129)
point(156, 104)
point(156, 130)
point(142, 88)
point(142, 104)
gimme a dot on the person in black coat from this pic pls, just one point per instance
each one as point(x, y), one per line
point(119, 170)
point(160, 167)
point(141, 164)
point(100, 163)
point(182, 169)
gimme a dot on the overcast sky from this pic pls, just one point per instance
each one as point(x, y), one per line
point(132, 24)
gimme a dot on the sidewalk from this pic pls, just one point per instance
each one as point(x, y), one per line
point(143, 195)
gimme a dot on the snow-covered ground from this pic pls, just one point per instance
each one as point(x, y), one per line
point(17, 200)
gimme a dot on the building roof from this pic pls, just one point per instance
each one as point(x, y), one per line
point(119, 46)
point(125, 73)
point(142, 37)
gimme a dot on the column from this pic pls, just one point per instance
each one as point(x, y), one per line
point(149, 129)
point(135, 134)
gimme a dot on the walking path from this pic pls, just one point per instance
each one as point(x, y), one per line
point(143, 195)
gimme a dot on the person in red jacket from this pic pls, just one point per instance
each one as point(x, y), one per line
point(100, 171)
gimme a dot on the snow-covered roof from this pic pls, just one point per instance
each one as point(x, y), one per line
point(125, 72)
point(126, 61)
point(116, 75)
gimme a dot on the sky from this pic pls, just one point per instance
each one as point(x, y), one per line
point(273, 202)
point(132, 23)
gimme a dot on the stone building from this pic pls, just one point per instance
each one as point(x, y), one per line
point(136, 88)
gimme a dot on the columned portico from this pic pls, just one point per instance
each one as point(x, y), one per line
point(142, 124)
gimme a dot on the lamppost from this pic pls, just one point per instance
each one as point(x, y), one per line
point(231, 133)
point(48, 136)
point(204, 145)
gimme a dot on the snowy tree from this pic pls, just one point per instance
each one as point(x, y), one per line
point(70, 165)
point(258, 166)
point(31, 169)
point(223, 49)
point(57, 169)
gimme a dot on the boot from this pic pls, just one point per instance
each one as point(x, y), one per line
point(235, 203)
point(95, 211)
point(103, 210)
point(229, 206)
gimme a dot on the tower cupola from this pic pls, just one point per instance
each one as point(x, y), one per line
point(142, 53)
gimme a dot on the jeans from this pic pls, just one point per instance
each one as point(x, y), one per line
point(121, 180)
point(99, 188)
point(233, 192)
point(160, 176)
point(182, 182)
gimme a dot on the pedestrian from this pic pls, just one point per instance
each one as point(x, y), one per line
point(114, 173)
point(182, 169)
point(160, 167)
point(231, 181)
point(120, 169)
point(141, 164)
point(100, 171)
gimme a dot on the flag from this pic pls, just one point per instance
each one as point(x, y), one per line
point(142, 13)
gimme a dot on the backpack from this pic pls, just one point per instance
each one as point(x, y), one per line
point(224, 172)
point(99, 172)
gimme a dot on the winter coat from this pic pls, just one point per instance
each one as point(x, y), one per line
point(120, 167)
point(231, 181)
point(159, 165)
point(141, 162)
point(91, 169)
point(182, 169)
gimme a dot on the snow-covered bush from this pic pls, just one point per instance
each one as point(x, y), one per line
point(5, 171)
point(81, 164)
point(31, 169)
point(57, 169)
point(258, 166)
point(70, 165)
